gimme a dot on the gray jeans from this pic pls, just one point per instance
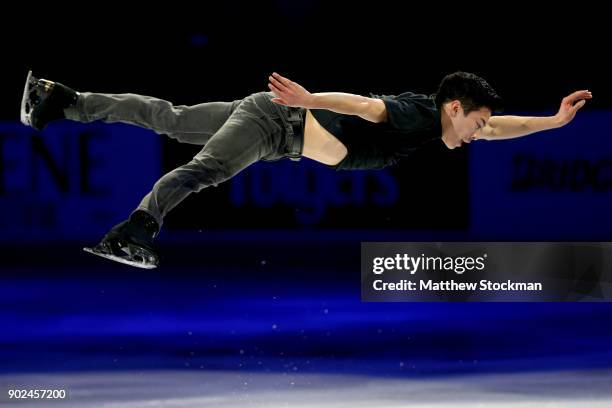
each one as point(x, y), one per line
point(234, 135)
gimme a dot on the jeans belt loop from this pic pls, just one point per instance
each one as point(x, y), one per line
point(295, 145)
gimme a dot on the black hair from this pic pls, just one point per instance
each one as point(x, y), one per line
point(471, 90)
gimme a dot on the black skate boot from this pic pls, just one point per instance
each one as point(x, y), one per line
point(130, 242)
point(44, 101)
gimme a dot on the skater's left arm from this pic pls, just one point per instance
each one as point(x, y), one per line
point(508, 127)
point(290, 93)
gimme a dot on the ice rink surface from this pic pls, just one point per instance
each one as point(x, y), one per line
point(191, 389)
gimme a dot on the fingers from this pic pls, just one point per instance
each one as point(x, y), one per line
point(579, 105)
point(281, 79)
point(278, 84)
point(275, 90)
point(282, 88)
point(583, 94)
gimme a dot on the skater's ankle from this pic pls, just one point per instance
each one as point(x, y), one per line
point(146, 222)
point(73, 110)
point(46, 101)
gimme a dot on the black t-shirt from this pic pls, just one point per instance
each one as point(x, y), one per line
point(413, 120)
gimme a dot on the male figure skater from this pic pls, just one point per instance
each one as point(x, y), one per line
point(340, 130)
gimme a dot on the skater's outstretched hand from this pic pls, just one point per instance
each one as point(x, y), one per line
point(570, 105)
point(289, 93)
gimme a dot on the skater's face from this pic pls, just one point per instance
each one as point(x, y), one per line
point(464, 128)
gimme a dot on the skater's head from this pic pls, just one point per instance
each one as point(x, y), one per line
point(466, 102)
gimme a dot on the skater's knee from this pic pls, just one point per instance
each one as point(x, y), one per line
point(199, 173)
point(210, 164)
point(207, 171)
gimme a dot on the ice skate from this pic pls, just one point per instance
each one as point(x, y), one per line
point(130, 242)
point(44, 101)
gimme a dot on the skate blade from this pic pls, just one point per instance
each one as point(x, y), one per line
point(26, 114)
point(119, 259)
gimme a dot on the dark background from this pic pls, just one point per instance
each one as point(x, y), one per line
point(192, 54)
point(255, 279)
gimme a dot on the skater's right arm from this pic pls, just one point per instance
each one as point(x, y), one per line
point(289, 93)
point(509, 127)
